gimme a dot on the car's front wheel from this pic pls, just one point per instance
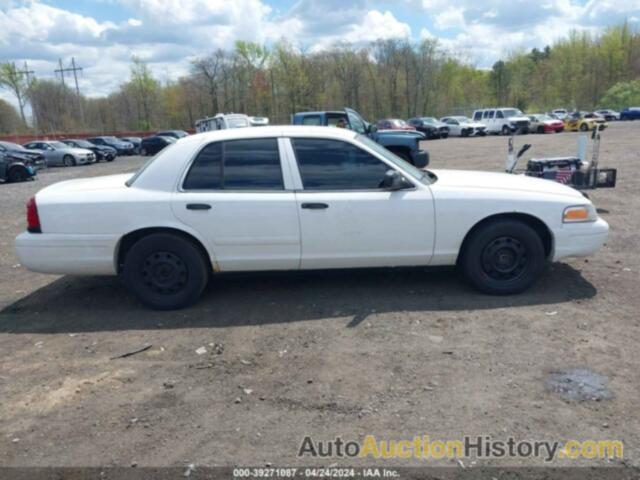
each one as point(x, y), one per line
point(68, 161)
point(503, 257)
point(165, 271)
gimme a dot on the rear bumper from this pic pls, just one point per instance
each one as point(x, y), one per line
point(580, 239)
point(67, 254)
point(420, 158)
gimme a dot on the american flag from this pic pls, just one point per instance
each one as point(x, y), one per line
point(563, 175)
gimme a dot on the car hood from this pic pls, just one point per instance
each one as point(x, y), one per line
point(502, 181)
point(403, 133)
point(519, 118)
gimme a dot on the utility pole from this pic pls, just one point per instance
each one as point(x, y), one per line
point(29, 73)
point(75, 71)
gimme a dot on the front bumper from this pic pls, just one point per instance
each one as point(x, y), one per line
point(580, 239)
point(420, 158)
point(67, 254)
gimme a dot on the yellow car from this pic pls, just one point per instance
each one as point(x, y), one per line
point(580, 123)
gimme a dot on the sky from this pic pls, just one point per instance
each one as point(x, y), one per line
point(102, 35)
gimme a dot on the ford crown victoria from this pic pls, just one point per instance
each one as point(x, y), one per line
point(294, 197)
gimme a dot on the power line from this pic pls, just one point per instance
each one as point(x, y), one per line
point(62, 71)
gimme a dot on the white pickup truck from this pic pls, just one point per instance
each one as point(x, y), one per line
point(503, 120)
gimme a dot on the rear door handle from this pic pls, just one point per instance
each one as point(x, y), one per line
point(315, 206)
point(198, 206)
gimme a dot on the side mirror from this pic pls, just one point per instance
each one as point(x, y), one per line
point(371, 128)
point(393, 181)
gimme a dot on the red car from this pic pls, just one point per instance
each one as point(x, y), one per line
point(542, 123)
point(393, 124)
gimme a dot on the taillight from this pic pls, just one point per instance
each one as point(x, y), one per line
point(33, 220)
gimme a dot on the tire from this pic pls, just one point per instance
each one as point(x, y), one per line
point(444, 135)
point(165, 271)
point(16, 174)
point(110, 159)
point(540, 129)
point(505, 130)
point(503, 257)
point(143, 152)
point(68, 161)
point(584, 127)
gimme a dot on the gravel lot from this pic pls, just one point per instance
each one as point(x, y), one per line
point(395, 353)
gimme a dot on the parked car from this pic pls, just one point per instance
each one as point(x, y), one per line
point(393, 124)
point(133, 140)
point(290, 198)
point(632, 113)
point(177, 134)
point(609, 115)
point(152, 145)
point(123, 148)
point(543, 123)
point(503, 120)
point(59, 154)
point(21, 154)
point(577, 122)
point(222, 121)
point(404, 143)
point(460, 126)
point(102, 152)
point(13, 170)
point(560, 113)
point(430, 126)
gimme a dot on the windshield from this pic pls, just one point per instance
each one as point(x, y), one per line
point(462, 119)
point(58, 145)
point(12, 146)
point(429, 120)
point(82, 144)
point(397, 122)
point(512, 112)
point(420, 175)
point(111, 139)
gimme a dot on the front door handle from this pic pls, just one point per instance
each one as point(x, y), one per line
point(198, 206)
point(315, 206)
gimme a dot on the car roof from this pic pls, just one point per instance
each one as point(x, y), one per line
point(322, 112)
point(271, 131)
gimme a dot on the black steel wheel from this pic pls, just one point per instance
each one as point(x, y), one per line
point(166, 271)
point(503, 256)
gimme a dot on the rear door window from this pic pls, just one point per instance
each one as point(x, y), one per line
point(250, 164)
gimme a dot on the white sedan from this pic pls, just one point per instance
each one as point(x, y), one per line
point(291, 198)
point(460, 126)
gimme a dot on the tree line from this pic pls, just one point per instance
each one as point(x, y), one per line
point(386, 78)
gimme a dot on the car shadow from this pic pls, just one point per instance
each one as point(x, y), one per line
point(93, 304)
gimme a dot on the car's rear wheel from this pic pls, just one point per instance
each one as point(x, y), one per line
point(503, 257)
point(584, 127)
point(506, 130)
point(541, 129)
point(68, 161)
point(165, 271)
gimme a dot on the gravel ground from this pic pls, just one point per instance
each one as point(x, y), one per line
point(394, 353)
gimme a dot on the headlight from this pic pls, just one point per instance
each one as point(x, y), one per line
point(580, 213)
